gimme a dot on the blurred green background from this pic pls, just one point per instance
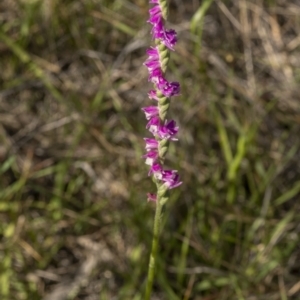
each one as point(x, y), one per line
point(74, 220)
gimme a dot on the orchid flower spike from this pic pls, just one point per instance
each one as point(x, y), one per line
point(161, 129)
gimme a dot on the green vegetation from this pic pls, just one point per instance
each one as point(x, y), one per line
point(74, 220)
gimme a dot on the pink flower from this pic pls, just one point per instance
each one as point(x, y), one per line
point(167, 37)
point(155, 15)
point(151, 157)
point(151, 197)
point(150, 111)
point(155, 76)
point(156, 170)
point(171, 89)
point(168, 131)
point(153, 53)
point(151, 144)
point(171, 179)
point(152, 95)
point(153, 125)
point(152, 61)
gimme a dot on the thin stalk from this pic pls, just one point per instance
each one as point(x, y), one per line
point(155, 240)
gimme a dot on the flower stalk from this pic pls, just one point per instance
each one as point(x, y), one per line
point(163, 131)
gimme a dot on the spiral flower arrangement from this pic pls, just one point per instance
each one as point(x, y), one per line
point(162, 129)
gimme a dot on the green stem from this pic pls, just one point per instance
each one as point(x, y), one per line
point(153, 255)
